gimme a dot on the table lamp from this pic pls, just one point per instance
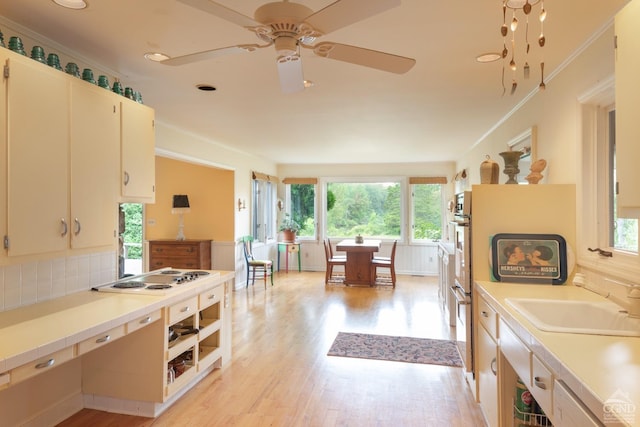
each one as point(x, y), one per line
point(180, 207)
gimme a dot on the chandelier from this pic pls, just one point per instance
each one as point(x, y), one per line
point(517, 48)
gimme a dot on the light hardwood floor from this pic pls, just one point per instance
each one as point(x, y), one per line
point(281, 375)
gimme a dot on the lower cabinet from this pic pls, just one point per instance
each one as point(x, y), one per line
point(526, 383)
point(487, 361)
point(155, 365)
point(569, 411)
point(487, 376)
point(515, 386)
point(193, 338)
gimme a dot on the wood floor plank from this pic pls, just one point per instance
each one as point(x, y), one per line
point(281, 375)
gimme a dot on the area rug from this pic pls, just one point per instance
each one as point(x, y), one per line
point(397, 349)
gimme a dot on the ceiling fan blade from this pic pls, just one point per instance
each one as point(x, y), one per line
point(290, 73)
point(210, 54)
point(365, 57)
point(346, 12)
point(222, 12)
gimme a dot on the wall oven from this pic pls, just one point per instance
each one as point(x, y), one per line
point(463, 278)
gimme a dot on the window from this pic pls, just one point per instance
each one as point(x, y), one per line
point(263, 207)
point(598, 222)
point(623, 232)
point(427, 212)
point(372, 209)
point(302, 201)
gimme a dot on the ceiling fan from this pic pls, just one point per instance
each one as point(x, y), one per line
point(289, 26)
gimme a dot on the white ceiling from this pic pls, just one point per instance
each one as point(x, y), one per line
point(353, 114)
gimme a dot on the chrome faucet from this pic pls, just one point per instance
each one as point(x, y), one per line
point(631, 304)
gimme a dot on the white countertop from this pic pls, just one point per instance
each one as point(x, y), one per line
point(31, 332)
point(595, 367)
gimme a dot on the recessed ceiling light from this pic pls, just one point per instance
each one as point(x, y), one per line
point(206, 88)
point(156, 56)
point(488, 57)
point(71, 4)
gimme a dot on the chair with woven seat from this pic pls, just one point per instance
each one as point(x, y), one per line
point(384, 262)
point(333, 262)
point(253, 265)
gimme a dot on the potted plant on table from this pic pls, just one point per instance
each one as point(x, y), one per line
point(289, 228)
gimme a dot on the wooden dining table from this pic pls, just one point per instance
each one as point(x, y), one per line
point(359, 255)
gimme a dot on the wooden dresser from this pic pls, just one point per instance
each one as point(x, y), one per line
point(189, 254)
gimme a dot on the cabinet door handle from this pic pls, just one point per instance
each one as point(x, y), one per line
point(212, 296)
point(484, 314)
point(78, 226)
point(103, 339)
point(145, 320)
point(46, 364)
point(493, 366)
point(185, 309)
point(539, 383)
point(126, 178)
point(64, 227)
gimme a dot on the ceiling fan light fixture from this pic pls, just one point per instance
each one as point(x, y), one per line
point(71, 4)
point(156, 56)
point(286, 46)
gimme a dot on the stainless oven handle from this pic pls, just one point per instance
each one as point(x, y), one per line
point(460, 297)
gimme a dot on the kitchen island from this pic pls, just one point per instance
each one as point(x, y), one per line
point(110, 351)
point(585, 379)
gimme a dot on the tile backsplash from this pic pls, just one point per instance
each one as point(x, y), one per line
point(37, 281)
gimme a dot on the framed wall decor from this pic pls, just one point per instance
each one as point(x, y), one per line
point(529, 258)
point(527, 143)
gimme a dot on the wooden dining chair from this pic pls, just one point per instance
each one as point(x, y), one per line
point(332, 262)
point(264, 265)
point(384, 262)
point(332, 256)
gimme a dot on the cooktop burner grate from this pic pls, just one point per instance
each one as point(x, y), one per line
point(158, 287)
point(129, 285)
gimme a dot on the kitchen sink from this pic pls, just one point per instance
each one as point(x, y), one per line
point(578, 317)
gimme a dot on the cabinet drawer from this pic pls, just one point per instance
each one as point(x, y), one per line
point(488, 318)
point(41, 365)
point(176, 262)
point(210, 297)
point(182, 310)
point(143, 321)
point(569, 411)
point(182, 250)
point(100, 339)
point(542, 388)
point(518, 355)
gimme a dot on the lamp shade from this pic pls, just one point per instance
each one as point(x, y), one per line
point(180, 201)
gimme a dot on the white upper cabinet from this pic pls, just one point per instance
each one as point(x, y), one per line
point(38, 156)
point(627, 103)
point(3, 151)
point(138, 153)
point(95, 165)
point(63, 158)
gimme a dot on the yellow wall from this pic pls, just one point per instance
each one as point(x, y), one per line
point(531, 209)
point(211, 197)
